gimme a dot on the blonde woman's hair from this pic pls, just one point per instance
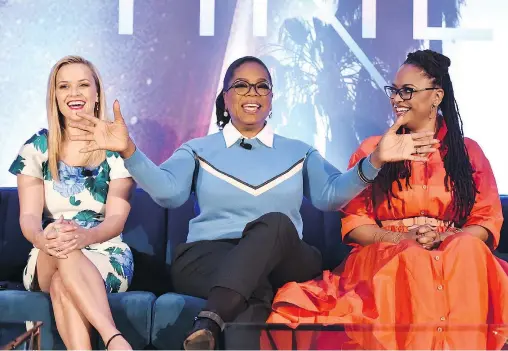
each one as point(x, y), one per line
point(56, 123)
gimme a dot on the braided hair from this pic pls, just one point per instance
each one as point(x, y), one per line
point(459, 171)
point(220, 106)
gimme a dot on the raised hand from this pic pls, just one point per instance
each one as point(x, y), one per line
point(395, 147)
point(103, 135)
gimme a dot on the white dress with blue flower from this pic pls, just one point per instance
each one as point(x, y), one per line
point(80, 196)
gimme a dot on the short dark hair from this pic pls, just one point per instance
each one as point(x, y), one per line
point(220, 106)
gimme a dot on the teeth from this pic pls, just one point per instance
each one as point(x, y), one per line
point(76, 103)
point(251, 105)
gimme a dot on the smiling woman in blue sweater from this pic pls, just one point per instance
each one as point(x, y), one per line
point(249, 184)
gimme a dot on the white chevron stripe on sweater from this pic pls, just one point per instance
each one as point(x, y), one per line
point(253, 190)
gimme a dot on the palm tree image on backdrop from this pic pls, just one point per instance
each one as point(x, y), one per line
point(325, 96)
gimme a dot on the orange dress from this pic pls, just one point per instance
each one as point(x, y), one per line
point(459, 283)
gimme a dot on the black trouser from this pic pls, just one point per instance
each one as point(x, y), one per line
point(268, 255)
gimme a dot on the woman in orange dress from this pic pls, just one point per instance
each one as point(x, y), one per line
point(422, 236)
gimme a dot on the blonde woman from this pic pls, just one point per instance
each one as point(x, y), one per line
point(83, 198)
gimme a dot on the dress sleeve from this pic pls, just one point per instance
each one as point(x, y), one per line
point(359, 211)
point(487, 211)
point(32, 157)
point(117, 166)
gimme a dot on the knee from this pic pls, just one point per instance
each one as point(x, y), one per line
point(56, 287)
point(275, 217)
point(72, 257)
point(282, 225)
point(464, 241)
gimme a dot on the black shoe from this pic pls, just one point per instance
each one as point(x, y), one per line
point(205, 332)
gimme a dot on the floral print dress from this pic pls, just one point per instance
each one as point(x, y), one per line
point(80, 195)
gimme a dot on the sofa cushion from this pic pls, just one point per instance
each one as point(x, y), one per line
point(178, 225)
point(173, 315)
point(313, 227)
point(19, 306)
point(132, 312)
point(145, 233)
point(14, 248)
point(335, 251)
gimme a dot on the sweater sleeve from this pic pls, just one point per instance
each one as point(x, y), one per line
point(327, 188)
point(169, 184)
point(359, 211)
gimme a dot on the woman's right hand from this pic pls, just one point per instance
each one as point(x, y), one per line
point(105, 135)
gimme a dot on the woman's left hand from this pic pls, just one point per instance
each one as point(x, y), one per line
point(395, 147)
point(438, 238)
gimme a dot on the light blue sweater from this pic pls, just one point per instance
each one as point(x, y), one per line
point(234, 186)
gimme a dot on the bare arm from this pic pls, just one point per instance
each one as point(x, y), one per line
point(369, 234)
point(31, 204)
point(478, 231)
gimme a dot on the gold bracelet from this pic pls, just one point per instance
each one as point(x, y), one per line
point(455, 230)
point(379, 236)
point(396, 237)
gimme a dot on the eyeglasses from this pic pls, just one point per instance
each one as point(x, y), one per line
point(243, 88)
point(405, 93)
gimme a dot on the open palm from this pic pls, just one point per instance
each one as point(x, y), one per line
point(395, 147)
point(104, 135)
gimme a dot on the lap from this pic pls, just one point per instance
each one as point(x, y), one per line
point(268, 254)
point(304, 263)
point(196, 264)
point(113, 261)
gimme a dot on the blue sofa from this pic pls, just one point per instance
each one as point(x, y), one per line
point(149, 314)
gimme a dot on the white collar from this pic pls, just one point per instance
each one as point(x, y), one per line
point(231, 135)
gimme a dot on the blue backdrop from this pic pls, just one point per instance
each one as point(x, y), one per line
point(164, 59)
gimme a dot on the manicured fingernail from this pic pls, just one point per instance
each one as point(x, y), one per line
point(76, 236)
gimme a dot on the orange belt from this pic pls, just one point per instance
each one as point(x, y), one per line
point(416, 221)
